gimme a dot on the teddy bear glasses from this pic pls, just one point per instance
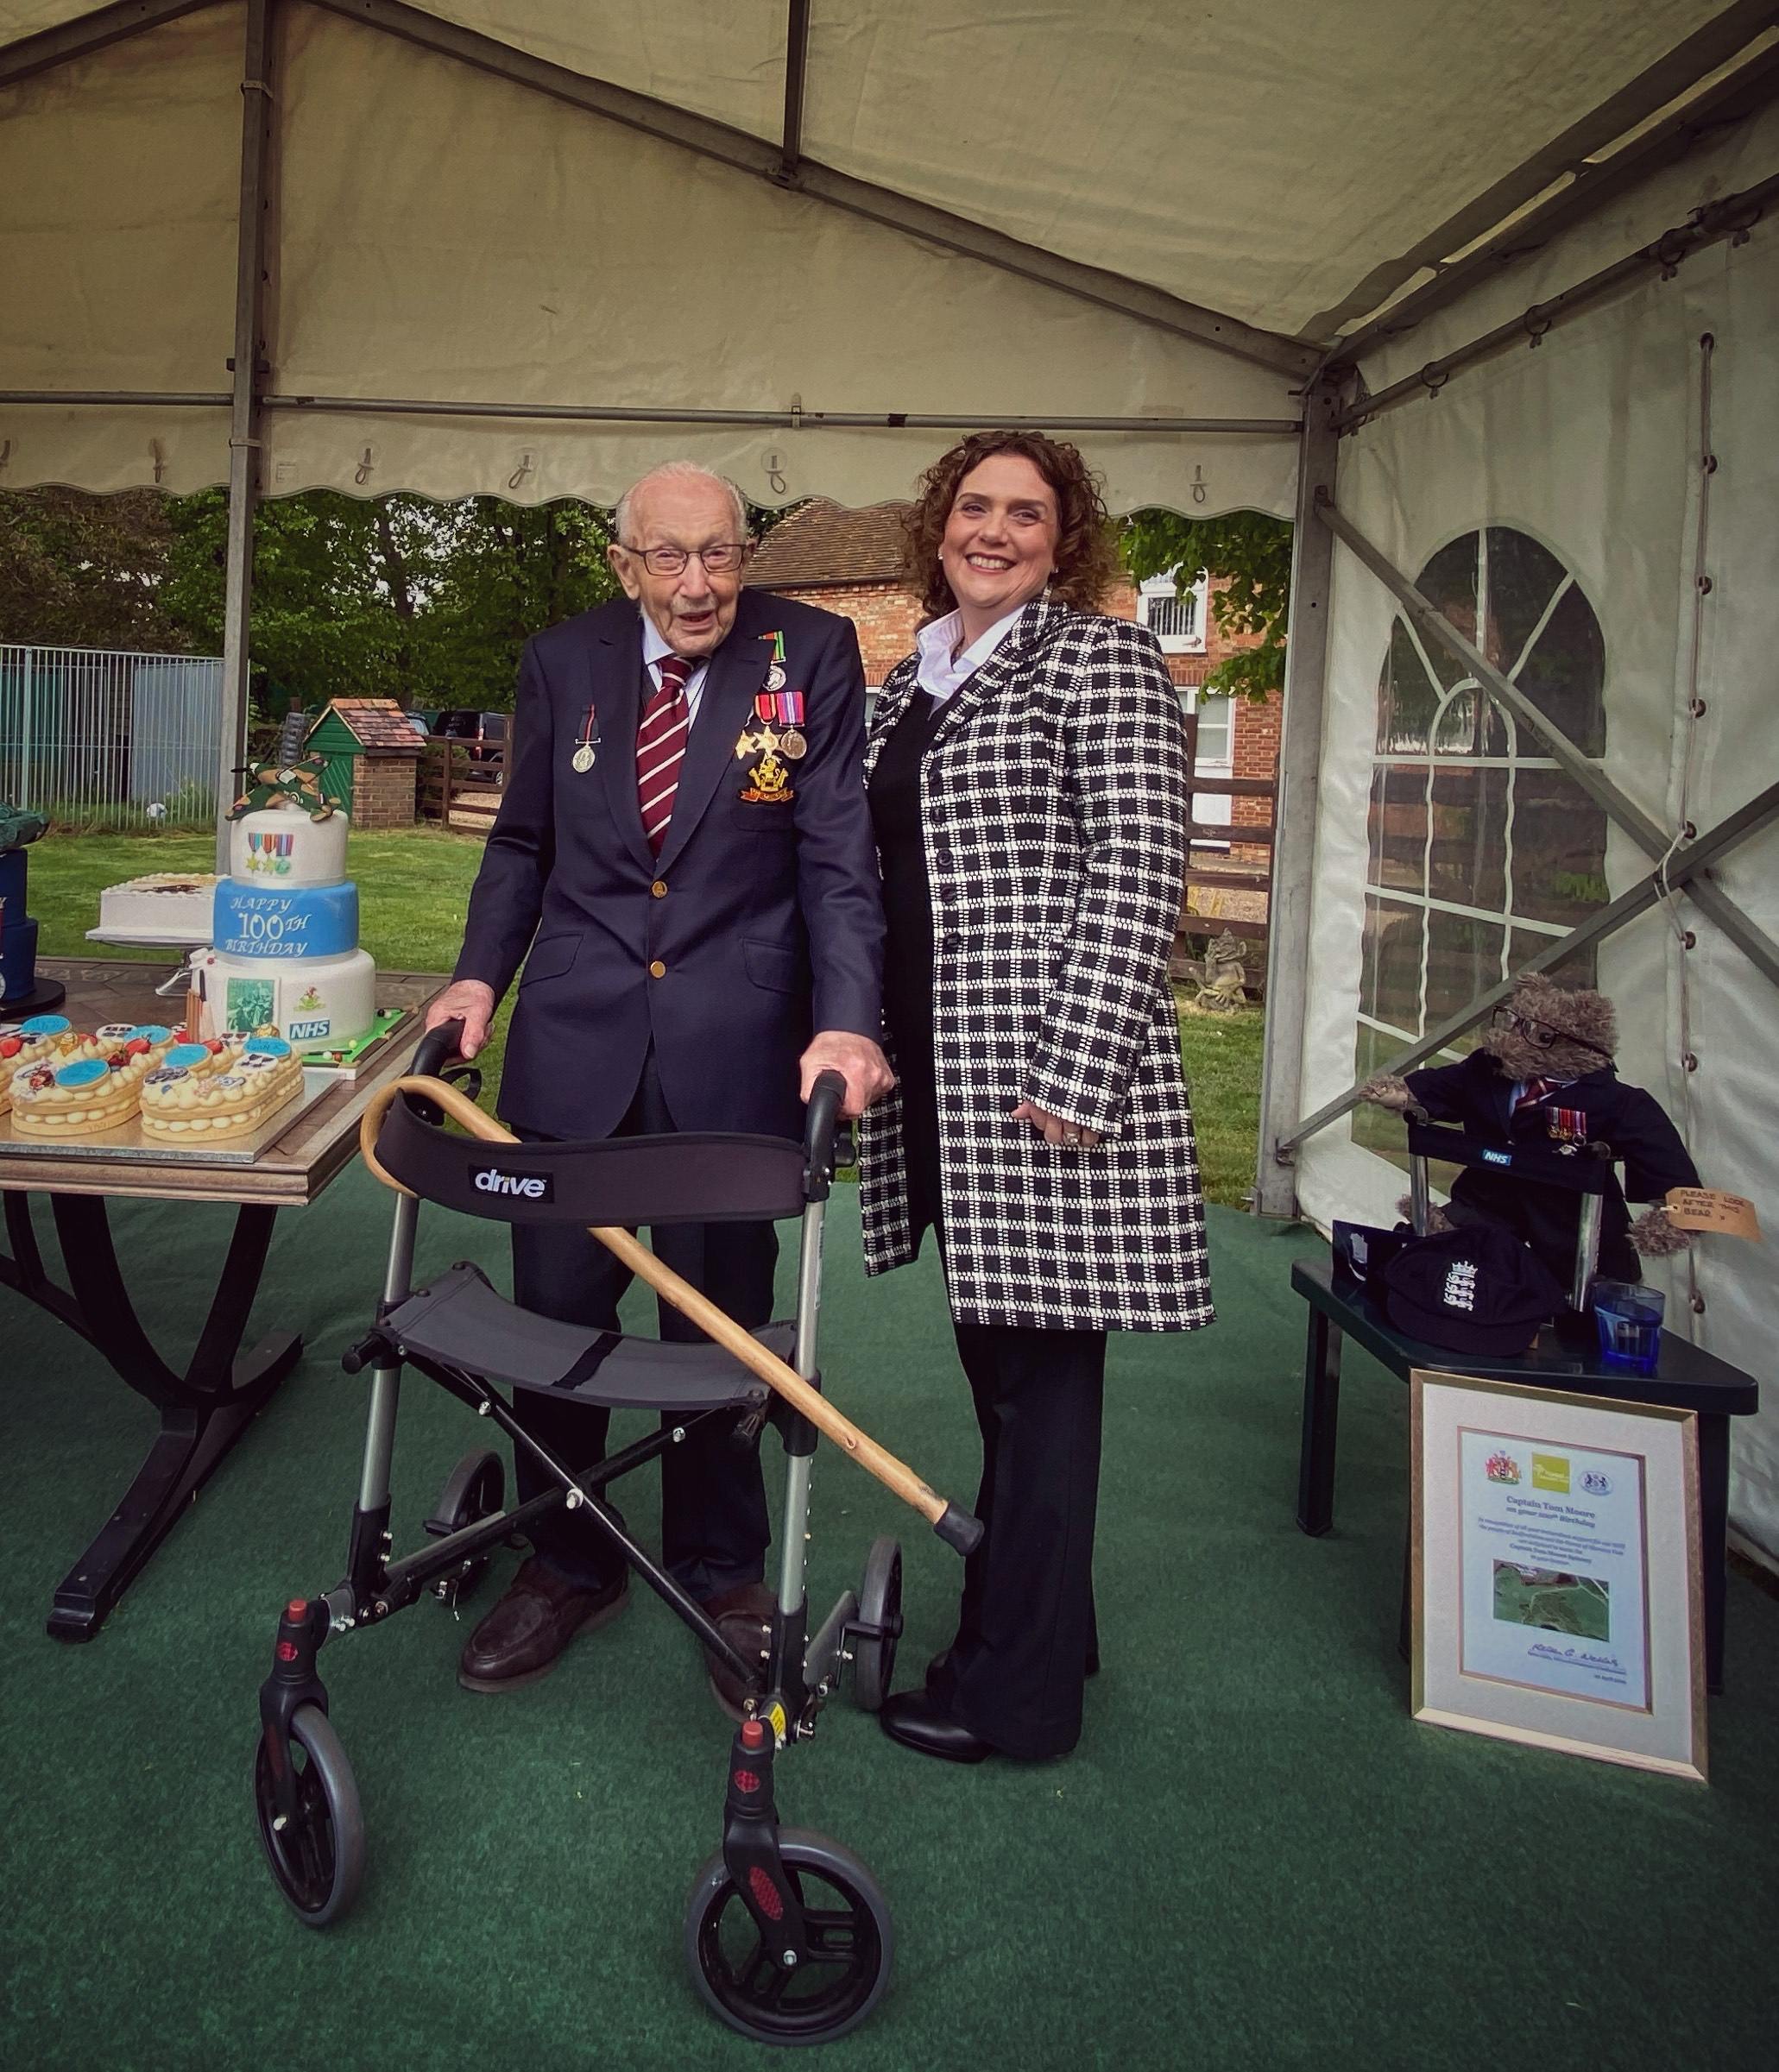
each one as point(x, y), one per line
point(1541, 1034)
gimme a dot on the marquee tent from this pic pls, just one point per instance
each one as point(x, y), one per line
point(1479, 292)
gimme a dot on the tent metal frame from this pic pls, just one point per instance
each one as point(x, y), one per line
point(1732, 217)
point(1589, 179)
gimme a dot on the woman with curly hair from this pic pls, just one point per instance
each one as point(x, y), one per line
point(1026, 775)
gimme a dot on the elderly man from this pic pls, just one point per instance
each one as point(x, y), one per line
point(701, 933)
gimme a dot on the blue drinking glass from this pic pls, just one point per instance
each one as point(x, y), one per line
point(1629, 1318)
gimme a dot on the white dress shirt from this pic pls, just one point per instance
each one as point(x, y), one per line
point(654, 648)
point(941, 672)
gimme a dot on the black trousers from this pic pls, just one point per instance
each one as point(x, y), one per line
point(714, 1529)
point(1026, 1635)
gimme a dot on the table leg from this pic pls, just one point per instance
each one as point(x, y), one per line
point(1713, 1536)
point(1321, 1415)
point(203, 1411)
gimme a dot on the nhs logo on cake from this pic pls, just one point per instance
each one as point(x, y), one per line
point(294, 921)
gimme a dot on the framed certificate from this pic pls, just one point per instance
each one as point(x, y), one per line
point(1557, 1589)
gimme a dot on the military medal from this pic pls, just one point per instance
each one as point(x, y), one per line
point(775, 674)
point(584, 758)
point(787, 712)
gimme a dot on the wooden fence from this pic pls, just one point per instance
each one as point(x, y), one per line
point(1227, 873)
point(459, 789)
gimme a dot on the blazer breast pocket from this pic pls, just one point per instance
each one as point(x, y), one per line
point(549, 958)
point(774, 968)
point(768, 817)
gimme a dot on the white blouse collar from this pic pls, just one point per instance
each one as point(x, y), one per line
point(940, 673)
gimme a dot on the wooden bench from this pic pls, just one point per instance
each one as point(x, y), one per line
point(1685, 1378)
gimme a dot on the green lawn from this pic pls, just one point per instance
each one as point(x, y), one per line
point(413, 891)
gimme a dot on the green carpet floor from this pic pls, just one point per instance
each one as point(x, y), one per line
point(1256, 1859)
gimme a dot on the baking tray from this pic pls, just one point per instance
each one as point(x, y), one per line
point(128, 1144)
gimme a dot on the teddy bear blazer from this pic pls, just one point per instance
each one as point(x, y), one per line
point(760, 922)
point(1053, 822)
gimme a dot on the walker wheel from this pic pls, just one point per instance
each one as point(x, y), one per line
point(850, 1942)
point(475, 1489)
point(317, 1859)
point(878, 1627)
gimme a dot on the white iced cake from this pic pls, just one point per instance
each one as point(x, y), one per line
point(173, 905)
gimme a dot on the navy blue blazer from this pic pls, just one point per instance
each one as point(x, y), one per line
point(760, 922)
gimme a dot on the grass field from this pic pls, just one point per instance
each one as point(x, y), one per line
point(413, 889)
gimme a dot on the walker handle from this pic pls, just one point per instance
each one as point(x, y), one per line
point(822, 1123)
point(436, 1048)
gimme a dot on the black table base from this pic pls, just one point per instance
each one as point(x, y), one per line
point(203, 1411)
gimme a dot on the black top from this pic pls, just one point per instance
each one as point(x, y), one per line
point(908, 945)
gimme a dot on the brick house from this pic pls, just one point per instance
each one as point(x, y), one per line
point(850, 562)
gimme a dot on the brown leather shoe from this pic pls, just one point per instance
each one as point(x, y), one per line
point(744, 1617)
point(542, 1611)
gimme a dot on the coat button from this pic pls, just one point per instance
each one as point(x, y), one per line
point(657, 970)
point(659, 890)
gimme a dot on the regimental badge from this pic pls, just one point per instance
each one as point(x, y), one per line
point(769, 779)
point(1566, 1125)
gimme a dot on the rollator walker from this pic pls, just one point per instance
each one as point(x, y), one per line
point(786, 1934)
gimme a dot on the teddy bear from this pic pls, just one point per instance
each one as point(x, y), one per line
point(1544, 1074)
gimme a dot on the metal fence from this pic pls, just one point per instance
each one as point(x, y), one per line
point(102, 738)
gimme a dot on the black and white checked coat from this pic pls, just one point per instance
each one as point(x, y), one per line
point(1053, 807)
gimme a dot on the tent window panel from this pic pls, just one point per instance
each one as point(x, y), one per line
point(1375, 1128)
point(1389, 981)
point(1523, 575)
point(1464, 958)
point(1481, 850)
point(1398, 825)
point(1559, 848)
point(1466, 844)
point(1471, 724)
point(1407, 700)
point(1451, 580)
point(1565, 674)
point(1580, 969)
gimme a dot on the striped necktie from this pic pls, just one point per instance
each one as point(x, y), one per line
point(660, 748)
point(1533, 1091)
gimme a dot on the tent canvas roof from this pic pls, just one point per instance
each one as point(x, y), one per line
point(890, 220)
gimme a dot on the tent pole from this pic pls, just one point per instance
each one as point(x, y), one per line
point(1287, 915)
point(245, 412)
point(1750, 938)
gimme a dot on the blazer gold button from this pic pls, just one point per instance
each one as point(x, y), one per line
point(657, 970)
point(659, 890)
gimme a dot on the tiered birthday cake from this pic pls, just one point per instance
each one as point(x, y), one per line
point(285, 927)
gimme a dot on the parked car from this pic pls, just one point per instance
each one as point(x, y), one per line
point(483, 733)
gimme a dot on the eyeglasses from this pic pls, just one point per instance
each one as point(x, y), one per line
point(1541, 1035)
point(723, 559)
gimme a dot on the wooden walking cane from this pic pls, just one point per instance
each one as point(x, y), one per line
point(954, 1526)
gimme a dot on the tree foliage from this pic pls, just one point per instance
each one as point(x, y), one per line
point(84, 571)
point(398, 597)
point(1249, 556)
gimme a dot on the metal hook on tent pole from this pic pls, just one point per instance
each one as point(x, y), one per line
point(363, 475)
point(1434, 377)
point(1200, 493)
point(775, 473)
point(1669, 249)
point(520, 473)
point(1537, 321)
point(157, 455)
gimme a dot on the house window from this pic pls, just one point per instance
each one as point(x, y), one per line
point(1174, 615)
point(1483, 848)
